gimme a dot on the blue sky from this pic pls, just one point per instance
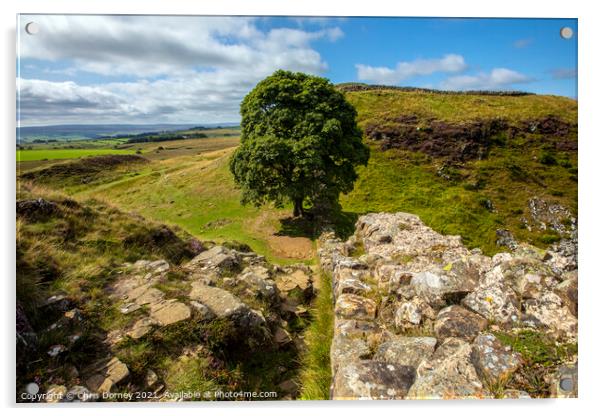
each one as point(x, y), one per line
point(153, 69)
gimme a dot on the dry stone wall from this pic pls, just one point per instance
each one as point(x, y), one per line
point(416, 312)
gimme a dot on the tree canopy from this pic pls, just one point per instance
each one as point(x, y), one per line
point(299, 142)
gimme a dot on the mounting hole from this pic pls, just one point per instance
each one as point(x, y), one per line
point(32, 28)
point(566, 384)
point(566, 33)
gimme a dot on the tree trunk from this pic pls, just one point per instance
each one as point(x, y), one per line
point(298, 207)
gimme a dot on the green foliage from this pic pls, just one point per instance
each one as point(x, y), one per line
point(536, 347)
point(299, 142)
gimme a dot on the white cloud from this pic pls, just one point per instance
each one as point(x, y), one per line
point(449, 63)
point(497, 79)
point(182, 69)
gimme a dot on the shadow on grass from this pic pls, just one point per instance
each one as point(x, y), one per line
point(312, 225)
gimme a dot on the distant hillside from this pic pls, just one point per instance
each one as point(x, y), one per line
point(472, 164)
point(95, 131)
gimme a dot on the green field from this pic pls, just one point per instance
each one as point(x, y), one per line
point(54, 154)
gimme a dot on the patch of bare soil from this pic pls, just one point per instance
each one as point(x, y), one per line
point(300, 248)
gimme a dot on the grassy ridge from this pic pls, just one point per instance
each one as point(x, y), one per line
point(375, 105)
point(516, 169)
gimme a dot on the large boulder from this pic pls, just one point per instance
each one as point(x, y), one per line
point(448, 374)
point(372, 380)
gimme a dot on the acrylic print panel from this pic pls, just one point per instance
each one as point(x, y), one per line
point(269, 208)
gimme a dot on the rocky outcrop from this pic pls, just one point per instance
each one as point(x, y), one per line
point(417, 311)
point(235, 301)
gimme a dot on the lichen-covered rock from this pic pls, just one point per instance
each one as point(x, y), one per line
point(258, 281)
point(218, 258)
point(349, 306)
point(202, 311)
point(355, 327)
point(448, 374)
point(411, 280)
point(411, 313)
point(372, 380)
point(455, 321)
point(550, 313)
point(567, 291)
point(493, 361)
point(495, 302)
point(346, 349)
point(410, 351)
point(351, 281)
point(433, 287)
point(515, 394)
point(395, 278)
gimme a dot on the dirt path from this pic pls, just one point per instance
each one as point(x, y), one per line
point(300, 248)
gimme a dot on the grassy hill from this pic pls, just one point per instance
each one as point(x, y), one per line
point(467, 164)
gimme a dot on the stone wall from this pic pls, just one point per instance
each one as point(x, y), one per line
point(416, 312)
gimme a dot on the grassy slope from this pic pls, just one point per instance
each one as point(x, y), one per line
point(399, 180)
point(77, 250)
point(195, 192)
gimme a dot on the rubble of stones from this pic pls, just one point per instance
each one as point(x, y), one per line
point(416, 312)
point(222, 284)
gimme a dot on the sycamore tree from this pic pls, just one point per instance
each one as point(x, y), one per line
point(300, 143)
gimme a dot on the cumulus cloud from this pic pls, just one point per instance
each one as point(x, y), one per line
point(180, 69)
point(497, 79)
point(449, 63)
